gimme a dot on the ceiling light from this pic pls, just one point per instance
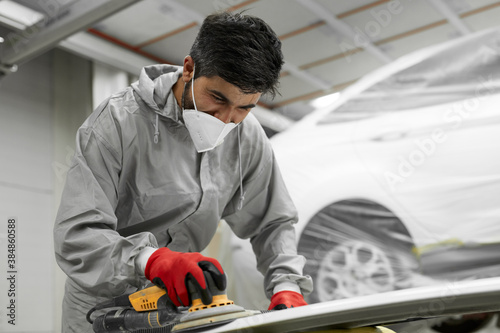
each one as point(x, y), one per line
point(18, 16)
point(324, 101)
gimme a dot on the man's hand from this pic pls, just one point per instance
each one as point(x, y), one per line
point(286, 299)
point(171, 270)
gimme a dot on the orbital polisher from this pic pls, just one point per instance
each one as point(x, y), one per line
point(151, 311)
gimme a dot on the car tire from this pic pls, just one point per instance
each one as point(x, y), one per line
point(356, 247)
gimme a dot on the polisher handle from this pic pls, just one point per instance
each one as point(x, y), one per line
point(210, 297)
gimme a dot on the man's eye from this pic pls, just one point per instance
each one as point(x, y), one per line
point(218, 99)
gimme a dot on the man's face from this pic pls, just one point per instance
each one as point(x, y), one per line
point(220, 99)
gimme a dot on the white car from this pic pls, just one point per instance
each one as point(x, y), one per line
point(398, 182)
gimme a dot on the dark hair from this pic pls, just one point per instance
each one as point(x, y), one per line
point(241, 49)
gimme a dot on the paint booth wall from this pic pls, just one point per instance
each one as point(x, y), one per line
point(41, 106)
point(26, 192)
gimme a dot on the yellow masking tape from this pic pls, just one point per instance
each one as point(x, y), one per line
point(377, 329)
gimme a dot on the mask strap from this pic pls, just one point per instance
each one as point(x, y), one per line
point(157, 132)
point(192, 89)
point(242, 193)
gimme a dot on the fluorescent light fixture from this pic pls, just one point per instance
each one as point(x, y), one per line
point(324, 101)
point(18, 16)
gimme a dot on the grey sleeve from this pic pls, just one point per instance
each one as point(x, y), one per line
point(267, 218)
point(87, 246)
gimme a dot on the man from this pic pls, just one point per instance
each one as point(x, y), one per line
point(160, 163)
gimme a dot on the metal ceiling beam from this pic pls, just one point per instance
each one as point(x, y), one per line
point(343, 28)
point(59, 23)
point(184, 11)
point(91, 47)
point(451, 16)
point(306, 76)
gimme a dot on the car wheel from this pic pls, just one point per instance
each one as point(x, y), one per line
point(354, 268)
point(356, 247)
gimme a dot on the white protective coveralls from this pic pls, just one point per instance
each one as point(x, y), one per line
point(125, 192)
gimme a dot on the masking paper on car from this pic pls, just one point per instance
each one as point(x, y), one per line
point(454, 71)
point(406, 192)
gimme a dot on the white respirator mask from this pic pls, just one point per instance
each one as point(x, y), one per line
point(206, 131)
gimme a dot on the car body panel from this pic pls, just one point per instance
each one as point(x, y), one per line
point(396, 306)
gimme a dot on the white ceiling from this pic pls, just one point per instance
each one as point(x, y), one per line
point(327, 44)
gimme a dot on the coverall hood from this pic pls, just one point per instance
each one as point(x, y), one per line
point(154, 87)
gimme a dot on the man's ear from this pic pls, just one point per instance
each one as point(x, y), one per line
point(188, 69)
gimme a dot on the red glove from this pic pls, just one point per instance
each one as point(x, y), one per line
point(286, 299)
point(171, 270)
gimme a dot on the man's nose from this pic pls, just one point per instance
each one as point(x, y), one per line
point(227, 115)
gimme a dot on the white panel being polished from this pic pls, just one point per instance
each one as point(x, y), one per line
point(438, 300)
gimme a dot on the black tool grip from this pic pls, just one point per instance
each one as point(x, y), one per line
point(117, 321)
